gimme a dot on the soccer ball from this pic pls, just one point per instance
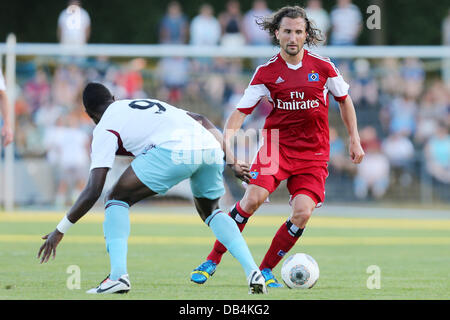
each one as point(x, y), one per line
point(300, 271)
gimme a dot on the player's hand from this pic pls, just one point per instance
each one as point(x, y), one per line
point(356, 151)
point(48, 249)
point(242, 171)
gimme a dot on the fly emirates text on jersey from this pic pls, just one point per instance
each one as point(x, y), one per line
point(296, 104)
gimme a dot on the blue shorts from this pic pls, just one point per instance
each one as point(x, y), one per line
point(160, 169)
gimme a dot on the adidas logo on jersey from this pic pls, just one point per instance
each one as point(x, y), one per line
point(279, 80)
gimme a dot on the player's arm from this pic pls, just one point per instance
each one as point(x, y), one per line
point(233, 124)
point(82, 205)
point(240, 170)
point(7, 132)
point(348, 116)
point(89, 195)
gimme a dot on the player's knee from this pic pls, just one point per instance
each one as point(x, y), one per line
point(113, 195)
point(107, 197)
point(251, 202)
point(301, 215)
point(205, 207)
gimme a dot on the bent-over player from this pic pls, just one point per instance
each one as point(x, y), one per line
point(169, 146)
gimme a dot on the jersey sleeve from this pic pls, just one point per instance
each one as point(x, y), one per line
point(336, 83)
point(253, 94)
point(104, 147)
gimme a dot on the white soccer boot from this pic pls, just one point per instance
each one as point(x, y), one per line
point(121, 285)
point(256, 283)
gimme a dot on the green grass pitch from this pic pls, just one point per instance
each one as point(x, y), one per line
point(413, 257)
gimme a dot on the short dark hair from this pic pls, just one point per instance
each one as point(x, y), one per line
point(272, 23)
point(95, 95)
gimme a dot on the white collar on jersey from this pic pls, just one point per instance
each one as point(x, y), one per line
point(294, 66)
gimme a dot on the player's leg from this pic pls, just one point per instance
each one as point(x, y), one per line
point(127, 191)
point(307, 190)
point(207, 187)
point(257, 191)
point(150, 173)
point(116, 227)
point(225, 229)
point(254, 197)
point(286, 237)
point(129, 188)
point(290, 231)
point(227, 232)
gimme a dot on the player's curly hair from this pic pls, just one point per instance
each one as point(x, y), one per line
point(272, 23)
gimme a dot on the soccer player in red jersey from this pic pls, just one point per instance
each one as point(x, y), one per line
point(296, 134)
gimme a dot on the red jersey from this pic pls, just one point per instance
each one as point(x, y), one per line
point(299, 96)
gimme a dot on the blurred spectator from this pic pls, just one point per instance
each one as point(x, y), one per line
point(130, 79)
point(205, 28)
point(433, 108)
point(215, 88)
point(68, 150)
point(391, 83)
point(413, 75)
point(7, 131)
point(74, 25)
point(346, 23)
point(231, 24)
point(364, 87)
point(400, 115)
point(365, 93)
point(37, 90)
point(67, 84)
point(174, 73)
point(316, 13)
point(426, 122)
point(254, 35)
point(47, 115)
point(437, 155)
point(174, 25)
point(373, 173)
point(339, 159)
point(400, 152)
point(205, 31)
point(441, 100)
point(237, 91)
point(28, 139)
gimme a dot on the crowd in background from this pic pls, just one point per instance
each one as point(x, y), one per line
point(402, 104)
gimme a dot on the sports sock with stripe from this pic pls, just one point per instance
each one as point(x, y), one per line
point(285, 238)
point(116, 228)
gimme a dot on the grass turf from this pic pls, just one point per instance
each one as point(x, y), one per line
point(412, 255)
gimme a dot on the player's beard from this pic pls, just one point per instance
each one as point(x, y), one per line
point(291, 50)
